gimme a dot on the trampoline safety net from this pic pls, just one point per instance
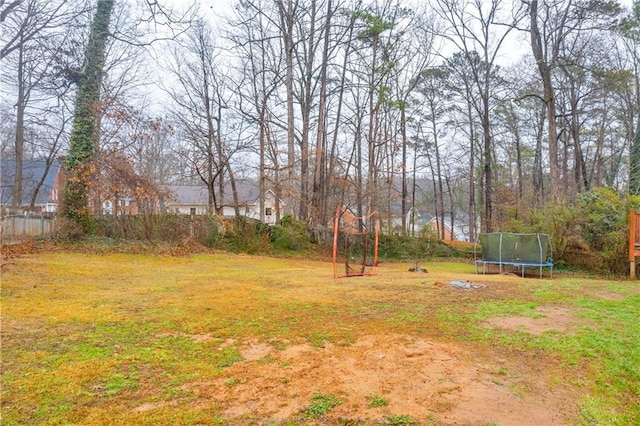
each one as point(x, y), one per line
point(507, 247)
point(522, 250)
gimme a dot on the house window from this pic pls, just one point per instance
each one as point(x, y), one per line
point(107, 207)
point(192, 211)
point(268, 211)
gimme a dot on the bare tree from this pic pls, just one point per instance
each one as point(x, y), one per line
point(417, 57)
point(24, 21)
point(478, 29)
point(256, 40)
point(554, 25)
point(287, 15)
point(31, 57)
point(434, 99)
point(200, 98)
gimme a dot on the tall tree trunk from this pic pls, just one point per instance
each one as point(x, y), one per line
point(262, 177)
point(544, 68)
point(83, 143)
point(16, 200)
point(359, 179)
point(211, 167)
point(488, 160)
point(403, 131)
point(306, 106)
point(438, 176)
point(319, 175)
point(272, 144)
point(371, 134)
point(263, 135)
point(472, 175)
point(579, 174)
point(334, 142)
point(634, 166)
point(452, 218)
point(538, 180)
point(286, 23)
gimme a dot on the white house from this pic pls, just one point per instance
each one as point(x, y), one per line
point(186, 199)
point(251, 209)
point(194, 200)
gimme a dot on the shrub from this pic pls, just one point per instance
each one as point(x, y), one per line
point(403, 248)
point(591, 233)
point(290, 235)
point(604, 227)
point(210, 235)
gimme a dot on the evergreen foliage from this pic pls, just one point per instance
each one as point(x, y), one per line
point(592, 233)
point(604, 227)
point(291, 235)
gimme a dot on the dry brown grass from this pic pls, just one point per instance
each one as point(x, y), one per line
point(127, 338)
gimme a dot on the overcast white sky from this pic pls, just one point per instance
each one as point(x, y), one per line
point(514, 48)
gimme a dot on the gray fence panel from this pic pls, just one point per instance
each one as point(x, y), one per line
point(18, 227)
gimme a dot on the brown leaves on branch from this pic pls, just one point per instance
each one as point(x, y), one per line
point(112, 176)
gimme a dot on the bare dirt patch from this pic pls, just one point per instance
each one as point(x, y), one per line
point(426, 380)
point(546, 318)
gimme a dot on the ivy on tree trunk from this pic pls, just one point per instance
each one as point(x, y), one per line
point(84, 135)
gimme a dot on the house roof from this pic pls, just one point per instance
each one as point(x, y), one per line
point(188, 194)
point(248, 193)
point(32, 173)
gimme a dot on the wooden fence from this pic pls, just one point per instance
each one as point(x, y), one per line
point(25, 226)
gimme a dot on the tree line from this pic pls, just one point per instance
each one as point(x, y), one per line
point(477, 111)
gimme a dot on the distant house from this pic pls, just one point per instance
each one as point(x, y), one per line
point(425, 222)
point(434, 225)
point(251, 208)
point(194, 199)
point(119, 206)
point(186, 199)
point(415, 221)
point(42, 185)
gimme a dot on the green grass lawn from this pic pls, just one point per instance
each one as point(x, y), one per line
point(87, 338)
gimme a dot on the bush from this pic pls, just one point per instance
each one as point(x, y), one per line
point(406, 248)
point(247, 236)
point(604, 226)
point(290, 235)
point(208, 231)
point(590, 234)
